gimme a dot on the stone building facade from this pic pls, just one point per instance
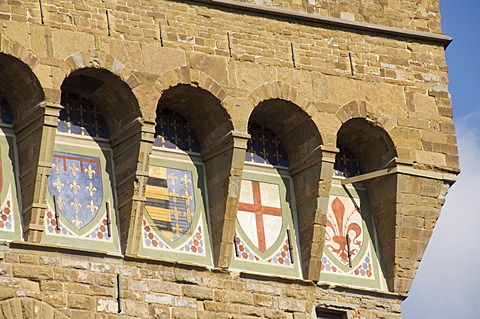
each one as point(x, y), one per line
point(219, 158)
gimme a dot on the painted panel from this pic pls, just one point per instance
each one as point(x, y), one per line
point(264, 147)
point(350, 255)
point(175, 225)
point(265, 240)
point(10, 214)
point(175, 133)
point(81, 196)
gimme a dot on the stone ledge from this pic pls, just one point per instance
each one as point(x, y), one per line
point(303, 16)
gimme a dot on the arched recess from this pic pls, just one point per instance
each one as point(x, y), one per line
point(96, 154)
point(360, 229)
point(185, 112)
point(23, 115)
point(302, 142)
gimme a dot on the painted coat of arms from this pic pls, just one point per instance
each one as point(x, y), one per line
point(260, 213)
point(76, 187)
point(170, 200)
point(344, 230)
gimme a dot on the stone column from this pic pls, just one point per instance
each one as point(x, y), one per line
point(131, 150)
point(312, 177)
point(224, 168)
point(35, 133)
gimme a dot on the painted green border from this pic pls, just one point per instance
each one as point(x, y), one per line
point(8, 150)
point(198, 176)
point(367, 218)
point(288, 206)
point(108, 182)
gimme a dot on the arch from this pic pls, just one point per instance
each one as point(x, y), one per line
point(18, 82)
point(362, 109)
point(374, 149)
point(97, 59)
point(192, 77)
point(109, 92)
point(291, 124)
point(370, 143)
point(202, 108)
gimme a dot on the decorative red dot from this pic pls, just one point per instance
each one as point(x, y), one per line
point(285, 247)
point(369, 273)
point(100, 235)
point(356, 272)
point(283, 254)
point(195, 242)
point(154, 243)
point(53, 222)
point(281, 260)
point(1, 224)
point(194, 249)
point(147, 229)
point(241, 248)
point(49, 214)
point(6, 210)
point(105, 221)
point(199, 236)
point(102, 228)
point(8, 203)
point(256, 258)
point(244, 255)
point(150, 235)
point(4, 217)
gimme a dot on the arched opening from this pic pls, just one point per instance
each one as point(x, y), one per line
point(82, 204)
point(176, 222)
point(353, 253)
point(267, 236)
point(20, 91)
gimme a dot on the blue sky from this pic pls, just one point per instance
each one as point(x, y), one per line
point(447, 285)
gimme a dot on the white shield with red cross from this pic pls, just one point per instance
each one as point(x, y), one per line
point(260, 213)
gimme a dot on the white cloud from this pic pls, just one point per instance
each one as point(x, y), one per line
point(447, 284)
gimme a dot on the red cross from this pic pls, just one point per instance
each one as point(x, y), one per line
point(259, 211)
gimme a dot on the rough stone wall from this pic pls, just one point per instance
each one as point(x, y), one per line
point(56, 284)
point(398, 84)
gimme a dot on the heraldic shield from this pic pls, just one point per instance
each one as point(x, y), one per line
point(170, 200)
point(260, 213)
point(76, 187)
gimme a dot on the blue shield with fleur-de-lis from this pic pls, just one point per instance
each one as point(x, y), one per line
point(75, 185)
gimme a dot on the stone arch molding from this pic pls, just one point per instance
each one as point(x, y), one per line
point(94, 58)
point(24, 307)
point(190, 76)
point(362, 109)
point(282, 91)
point(15, 49)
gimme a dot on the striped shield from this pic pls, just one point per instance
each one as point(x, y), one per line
point(170, 200)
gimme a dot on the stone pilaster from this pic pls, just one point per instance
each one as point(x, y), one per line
point(131, 150)
point(224, 168)
point(312, 178)
point(35, 133)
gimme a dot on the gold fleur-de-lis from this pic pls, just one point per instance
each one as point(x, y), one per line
point(92, 189)
point(58, 184)
point(172, 178)
point(175, 212)
point(174, 195)
point(60, 202)
point(77, 221)
point(57, 166)
point(92, 207)
point(185, 180)
point(75, 186)
point(90, 171)
point(74, 168)
point(189, 215)
point(177, 229)
point(76, 205)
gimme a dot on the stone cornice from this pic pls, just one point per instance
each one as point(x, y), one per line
point(360, 26)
